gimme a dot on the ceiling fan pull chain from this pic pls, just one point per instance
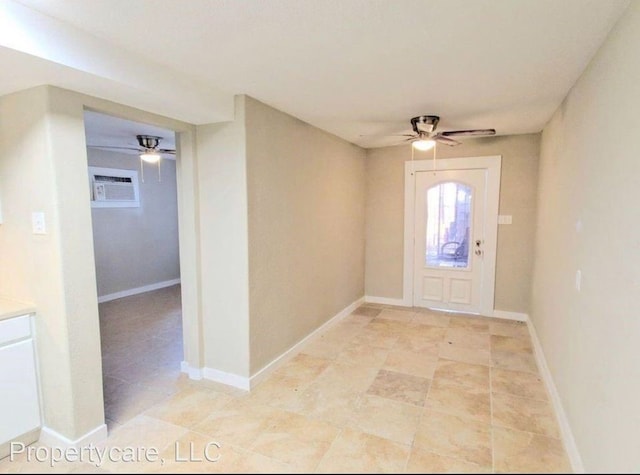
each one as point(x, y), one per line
point(142, 169)
point(159, 174)
point(435, 147)
point(413, 151)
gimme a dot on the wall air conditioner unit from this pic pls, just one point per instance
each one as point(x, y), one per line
point(114, 188)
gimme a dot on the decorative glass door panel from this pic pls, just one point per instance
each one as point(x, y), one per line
point(448, 222)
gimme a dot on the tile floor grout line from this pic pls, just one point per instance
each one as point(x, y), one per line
point(333, 441)
point(425, 408)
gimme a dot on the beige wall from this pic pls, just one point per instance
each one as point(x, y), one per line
point(385, 215)
point(588, 221)
point(43, 168)
point(135, 247)
point(222, 183)
point(281, 208)
point(306, 228)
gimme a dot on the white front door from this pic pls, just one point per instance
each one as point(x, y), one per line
point(449, 241)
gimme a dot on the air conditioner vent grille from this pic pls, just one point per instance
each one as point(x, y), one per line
point(112, 179)
point(114, 188)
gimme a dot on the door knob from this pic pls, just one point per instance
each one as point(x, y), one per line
point(478, 242)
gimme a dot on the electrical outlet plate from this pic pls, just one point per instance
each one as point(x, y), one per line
point(38, 223)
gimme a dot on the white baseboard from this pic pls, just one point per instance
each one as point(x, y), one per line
point(295, 349)
point(565, 429)
point(244, 383)
point(385, 301)
point(52, 438)
point(230, 379)
point(211, 374)
point(192, 372)
point(138, 290)
point(520, 317)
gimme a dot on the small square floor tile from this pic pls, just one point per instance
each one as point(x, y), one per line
point(463, 374)
point(423, 461)
point(400, 387)
point(367, 311)
point(356, 452)
point(525, 414)
point(522, 452)
point(452, 398)
point(516, 361)
point(508, 343)
point(455, 436)
point(518, 383)
point(392, 420)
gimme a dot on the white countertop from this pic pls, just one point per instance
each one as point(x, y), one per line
point(10, 308)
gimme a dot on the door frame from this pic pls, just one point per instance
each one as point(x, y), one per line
point(188, 219)
point(493, 165)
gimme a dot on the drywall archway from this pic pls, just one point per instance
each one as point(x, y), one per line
point(65, 293)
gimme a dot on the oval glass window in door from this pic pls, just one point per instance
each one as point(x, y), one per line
point(449, 209)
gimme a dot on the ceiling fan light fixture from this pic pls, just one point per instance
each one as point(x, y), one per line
point(423, 144)
point(150, 157)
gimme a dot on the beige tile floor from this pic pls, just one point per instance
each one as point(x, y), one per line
point(384, 390)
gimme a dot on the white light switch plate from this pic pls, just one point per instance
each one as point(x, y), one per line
point(38, 223)
point(505, 219)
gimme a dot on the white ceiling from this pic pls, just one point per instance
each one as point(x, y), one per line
point(357, 67)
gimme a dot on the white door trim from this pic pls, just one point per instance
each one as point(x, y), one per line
point(493, 166)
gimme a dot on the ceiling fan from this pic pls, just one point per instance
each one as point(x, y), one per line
point(148, 148)
point(424, 135)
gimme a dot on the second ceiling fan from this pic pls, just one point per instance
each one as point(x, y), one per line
point(149, 151)
point(149, 148)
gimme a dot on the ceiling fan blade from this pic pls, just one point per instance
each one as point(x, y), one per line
point(390, 135)
point(109, 147)
point(446, 140)
point(167, 150)
point(469, 133)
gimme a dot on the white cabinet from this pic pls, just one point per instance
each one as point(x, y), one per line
point(19, 401)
